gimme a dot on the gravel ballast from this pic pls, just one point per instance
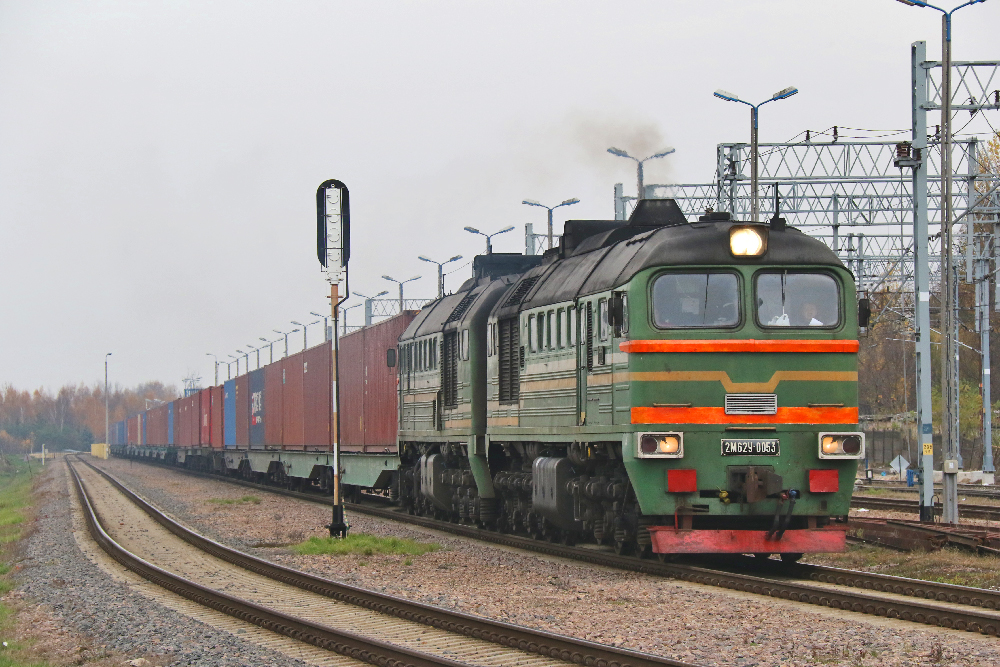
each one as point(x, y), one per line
point(52, 571)
point(683, 621)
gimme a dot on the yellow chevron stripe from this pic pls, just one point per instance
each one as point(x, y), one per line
point(735, 387)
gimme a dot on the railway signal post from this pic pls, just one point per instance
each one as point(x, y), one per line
point(333, 249)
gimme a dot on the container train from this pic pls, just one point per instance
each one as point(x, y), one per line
point(655, 384)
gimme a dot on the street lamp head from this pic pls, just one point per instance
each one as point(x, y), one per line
point(454, 259)
point(730, 97)
point(264, 339)
point(619, 152)
point(293, 331)
point(913, 3)
point(505, 230)
point(408, 280)
point(785, 92)
point(532, 202)
point(665, 152)
point(574, 200)
point(317, 314)
point(240, 351)
point(390, 278)
point(296, 323)
point(426, 259)
point(382, 293)
point(280, 333)
point(473, 230)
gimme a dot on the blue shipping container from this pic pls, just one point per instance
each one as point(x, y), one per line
point(257, 408)
point(229, 413)
point(170, 423)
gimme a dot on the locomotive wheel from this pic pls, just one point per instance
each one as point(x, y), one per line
point(624, 547)
point(790, 558)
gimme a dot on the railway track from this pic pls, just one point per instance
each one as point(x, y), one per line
point(967, 490)
point(370, 627)
point(965, 510)
point(932, 603)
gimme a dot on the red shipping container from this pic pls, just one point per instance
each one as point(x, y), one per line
point(205, 417)
point(194, 420)
point(317, 407)
point(369, 401)
point(189, 421)
point(243, 411)
point(217, 401)
point(352, 392)
point(272, 405)
point(292, 436)
point(133, 430)
point(181, 431)
point(156, 425)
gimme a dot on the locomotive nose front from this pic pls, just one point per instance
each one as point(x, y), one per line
point(744, 403)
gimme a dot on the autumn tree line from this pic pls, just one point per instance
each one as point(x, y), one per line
point(72, 418)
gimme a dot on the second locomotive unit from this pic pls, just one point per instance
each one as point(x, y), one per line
point(663, 386)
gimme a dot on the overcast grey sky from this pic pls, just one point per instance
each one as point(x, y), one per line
point(158, 161)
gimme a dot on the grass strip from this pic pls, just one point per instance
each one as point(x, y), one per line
point(364, 545)
point(15, 496)
point(254, 500)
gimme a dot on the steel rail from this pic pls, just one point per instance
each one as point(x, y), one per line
point(929, 613)
point(568, 649)
point(912, 506)
point(345, 643)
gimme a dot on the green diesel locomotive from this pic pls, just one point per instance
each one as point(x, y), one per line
point(663, 386)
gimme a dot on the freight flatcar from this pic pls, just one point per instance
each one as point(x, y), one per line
point(660, 385)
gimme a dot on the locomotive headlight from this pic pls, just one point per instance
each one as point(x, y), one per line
point(669, 444)
point(841, 445)
point(748, 241)
point(660, 446)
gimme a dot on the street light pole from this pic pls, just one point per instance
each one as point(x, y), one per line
point(949, 350)
point(730, 97)
point(368, 304)
point(568, 202)
point(489, 245)
point(326, 330)
point(440, 266)
point(401, 283)
point(209, 354)
point(229, 367)
point(107, 403)
point(257, 350)
point(344, 311)
point(639, 172)
point(282, 333)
